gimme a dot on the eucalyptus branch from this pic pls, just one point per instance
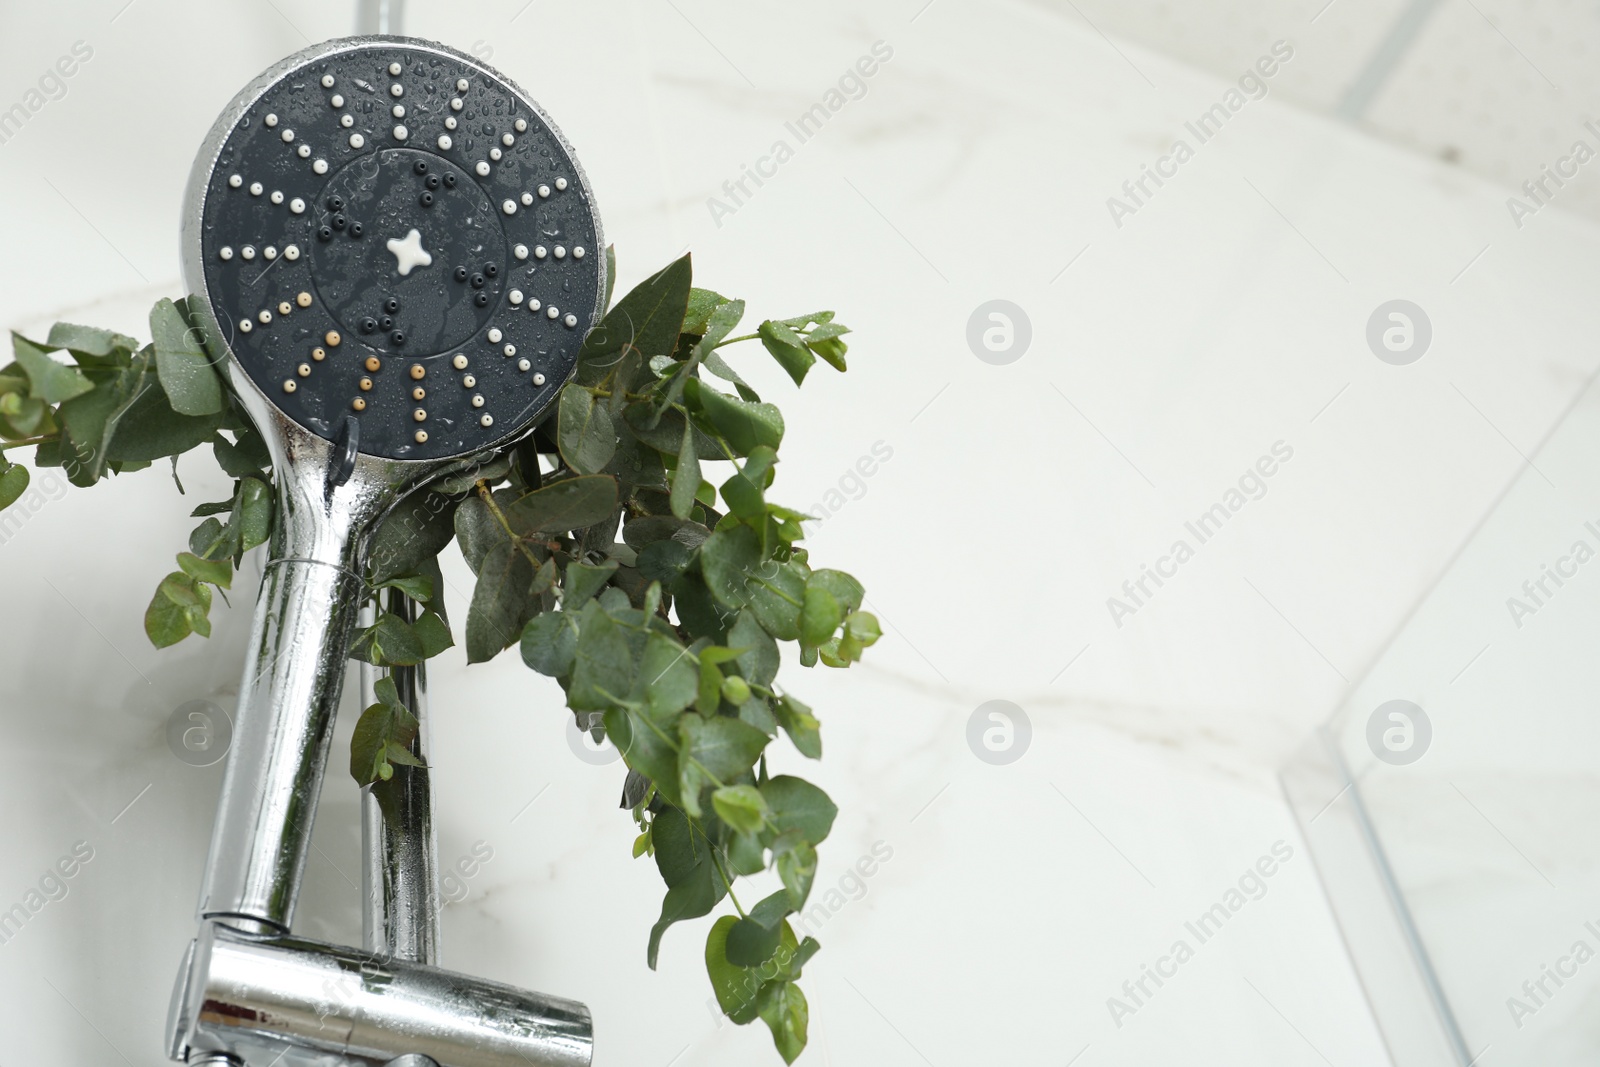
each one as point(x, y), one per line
point(702, 687)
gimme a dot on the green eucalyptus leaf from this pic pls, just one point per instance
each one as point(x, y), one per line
point(396, 754)
point(759, 660)
point(433, 633)
point(741, 807)
point(783, 1008)
point(491, 473)
point(213, 540)
point(643, 531)
point(665, 433)
point(184, 590)
point(776, 595)
point(385, 690)
point(831, 349)
point(169, 618)
point(797, 721)
point(689, 899)
point(415, 586)
point(616, 603)
point(801, 956)
point(417, 530)
point(734, 986)
point(787, 348)
point(603, 666)
point(744, 425)
point(798, 805)
point(478, 531)
point(583, 581)
point(745, 855)
point(699, 612)
point(549, 643)
point(585, 431)
point(718, 366)
point(185, 369)
point(841, 586)
point(746, 499)
point(862, 626)
point(22, 415)
point(391, 641)
point(88, 340)
point(722, 321)
point(756, 712)
point(150, 429)
point(820, 616)
point(571, 504)
point(234, 460)
point(501, 604)
point(383, 731)
point(645, 749)
point(680, 849)
point(13, 482)
point(647, 320)
point(725, 747)
point(692, 782)
point(797, 870)
point(219, 572)
point(667, 680)
point(663, 561)
point(248, 442)
point(637, 468)
point(252, 513)
point(686, 478)
point(750, 944)
point(48, 380)
point(91, 420)
point(702, 302)
point(770, 911)
point(726, 560)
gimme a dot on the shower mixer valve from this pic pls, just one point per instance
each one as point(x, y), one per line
point(394, 257)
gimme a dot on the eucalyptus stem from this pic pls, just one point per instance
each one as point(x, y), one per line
point(494, 509)
point(42, 439)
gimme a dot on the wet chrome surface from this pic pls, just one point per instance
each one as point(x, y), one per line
point(247, 991)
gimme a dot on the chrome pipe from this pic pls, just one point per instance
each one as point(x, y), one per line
point(258, 998)
point(400, 878)
point(380, 16)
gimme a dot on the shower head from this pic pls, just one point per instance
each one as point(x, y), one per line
point(394, 257)
point(394, 249)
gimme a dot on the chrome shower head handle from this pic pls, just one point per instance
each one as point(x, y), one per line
point(395, 258)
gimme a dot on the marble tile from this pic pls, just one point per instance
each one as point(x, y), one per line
point(1226, 314)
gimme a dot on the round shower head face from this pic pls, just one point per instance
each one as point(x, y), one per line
point(388, 231)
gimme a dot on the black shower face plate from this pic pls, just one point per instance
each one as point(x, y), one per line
point(395, 234)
